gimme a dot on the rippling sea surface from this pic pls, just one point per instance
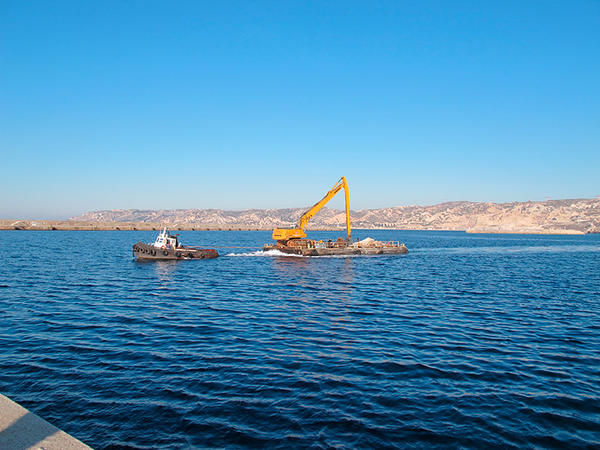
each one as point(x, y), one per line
point(469, 340)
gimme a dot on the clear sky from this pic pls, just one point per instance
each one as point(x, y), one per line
point(234, 105)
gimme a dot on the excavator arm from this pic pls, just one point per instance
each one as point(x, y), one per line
point(283, 234)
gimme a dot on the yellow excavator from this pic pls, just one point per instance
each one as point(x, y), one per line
point(290, 236)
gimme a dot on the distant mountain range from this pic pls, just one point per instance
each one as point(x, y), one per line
point(552, 216)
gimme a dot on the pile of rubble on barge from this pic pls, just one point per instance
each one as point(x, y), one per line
point(168, 247)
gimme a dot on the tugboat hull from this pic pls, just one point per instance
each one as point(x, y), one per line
point(147, 252)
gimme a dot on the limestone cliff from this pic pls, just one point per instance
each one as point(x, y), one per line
point(553, 216)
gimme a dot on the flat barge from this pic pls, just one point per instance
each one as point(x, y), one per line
point(168, 247)
point(309, 247)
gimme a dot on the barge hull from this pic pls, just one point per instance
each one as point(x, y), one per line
point(339, 251)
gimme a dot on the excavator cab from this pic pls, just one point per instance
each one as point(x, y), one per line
point(283, 236)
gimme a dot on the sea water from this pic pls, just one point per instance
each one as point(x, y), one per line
point(469, 340)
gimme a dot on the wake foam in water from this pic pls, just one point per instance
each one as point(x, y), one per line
point(272, 253)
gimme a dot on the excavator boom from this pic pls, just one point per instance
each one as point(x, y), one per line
point(282, 234)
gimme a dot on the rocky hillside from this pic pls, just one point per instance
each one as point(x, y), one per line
point(553, 216)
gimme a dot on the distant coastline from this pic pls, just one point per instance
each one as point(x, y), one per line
point(74, 225)
point(576, 216)
point(71, 225)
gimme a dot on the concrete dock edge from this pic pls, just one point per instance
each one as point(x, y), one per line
point(20, 429)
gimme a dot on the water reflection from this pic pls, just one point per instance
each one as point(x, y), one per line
point(332, 278)
point(308, 271)
point(289, 265)
point(348, 271)
point(164, 270)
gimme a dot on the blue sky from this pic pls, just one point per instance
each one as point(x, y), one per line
point(235, 105)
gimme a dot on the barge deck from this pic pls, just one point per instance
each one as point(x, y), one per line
point(308, 247)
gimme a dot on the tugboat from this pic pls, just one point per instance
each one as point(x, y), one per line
point(168, 247)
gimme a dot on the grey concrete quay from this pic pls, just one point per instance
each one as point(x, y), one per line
point(20, 429)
